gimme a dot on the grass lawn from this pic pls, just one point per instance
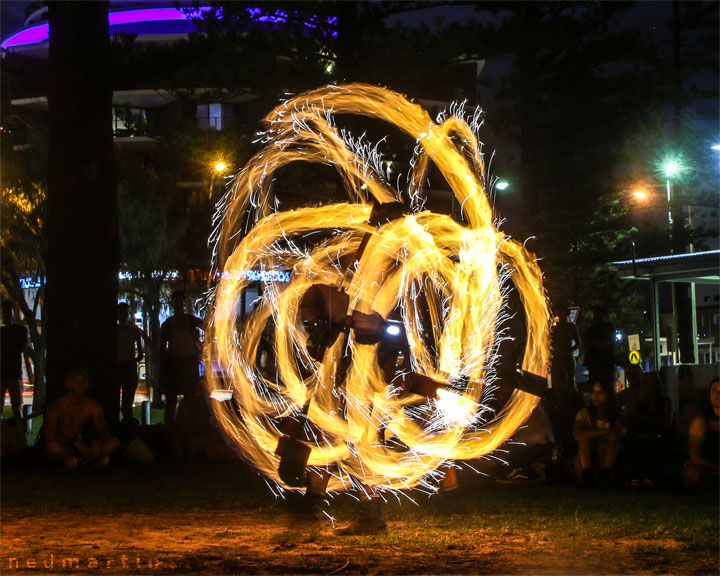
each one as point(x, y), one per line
point(220, 518)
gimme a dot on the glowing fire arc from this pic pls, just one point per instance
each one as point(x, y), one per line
point(396, 376)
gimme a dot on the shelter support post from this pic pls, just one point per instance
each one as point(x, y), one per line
point(696, 356)
point(655, 319)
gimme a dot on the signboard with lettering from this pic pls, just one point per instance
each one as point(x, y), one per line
point(634, 341)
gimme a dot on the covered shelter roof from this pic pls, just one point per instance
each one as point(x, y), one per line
point(695, 267)
point(700, 267)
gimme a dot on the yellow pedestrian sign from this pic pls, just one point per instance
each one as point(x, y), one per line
point(635, 357)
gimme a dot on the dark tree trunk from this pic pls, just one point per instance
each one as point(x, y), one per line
point(347, 45)
point(528, 110)
point(83, 247)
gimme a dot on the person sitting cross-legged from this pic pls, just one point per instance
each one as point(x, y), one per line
point(598, 430)
point(75, 428)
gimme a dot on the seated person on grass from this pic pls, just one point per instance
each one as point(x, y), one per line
point(704, 445)
point(648, 441)
point(75, 428)
point(598, 430)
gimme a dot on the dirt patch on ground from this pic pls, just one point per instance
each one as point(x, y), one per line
point(221, 542)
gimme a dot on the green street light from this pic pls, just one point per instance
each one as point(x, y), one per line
point(502, 185)
point(673, 168)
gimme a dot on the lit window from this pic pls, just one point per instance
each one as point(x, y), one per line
point(716, 319)
point(213, 116)
point(128, 121)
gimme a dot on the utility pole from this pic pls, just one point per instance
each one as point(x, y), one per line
point(683, 292)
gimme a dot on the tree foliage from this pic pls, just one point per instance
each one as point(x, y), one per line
point(22, 239)
point(23, 236)
point(576, 84)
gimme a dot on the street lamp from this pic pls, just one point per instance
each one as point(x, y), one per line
point(672, 170)
point(218, 169)
point(640, 193)
point(502, 185)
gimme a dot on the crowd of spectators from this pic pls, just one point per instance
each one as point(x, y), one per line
point(605, 437)
point(587, 429)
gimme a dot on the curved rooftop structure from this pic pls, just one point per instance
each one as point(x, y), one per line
point(159, 20)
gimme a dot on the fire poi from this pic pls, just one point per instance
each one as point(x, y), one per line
point(377, 363)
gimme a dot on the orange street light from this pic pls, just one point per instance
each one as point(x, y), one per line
point(219, 168)
point(639, 191)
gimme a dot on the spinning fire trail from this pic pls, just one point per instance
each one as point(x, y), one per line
point(377, 363)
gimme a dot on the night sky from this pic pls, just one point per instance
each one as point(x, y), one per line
point(12, 17)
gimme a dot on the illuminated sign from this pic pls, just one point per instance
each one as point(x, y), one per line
point(31, 283)
point(259, 275)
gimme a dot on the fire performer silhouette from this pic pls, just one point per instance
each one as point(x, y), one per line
point(385, 344)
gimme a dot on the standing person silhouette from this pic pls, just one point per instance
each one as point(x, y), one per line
point(180, 350)
point(13, 341)
point(565, 340)
point(129, 353)
point(600, 349)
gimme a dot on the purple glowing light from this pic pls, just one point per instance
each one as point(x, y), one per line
point(32, 35)
point(152, 15)
point(41, 32)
